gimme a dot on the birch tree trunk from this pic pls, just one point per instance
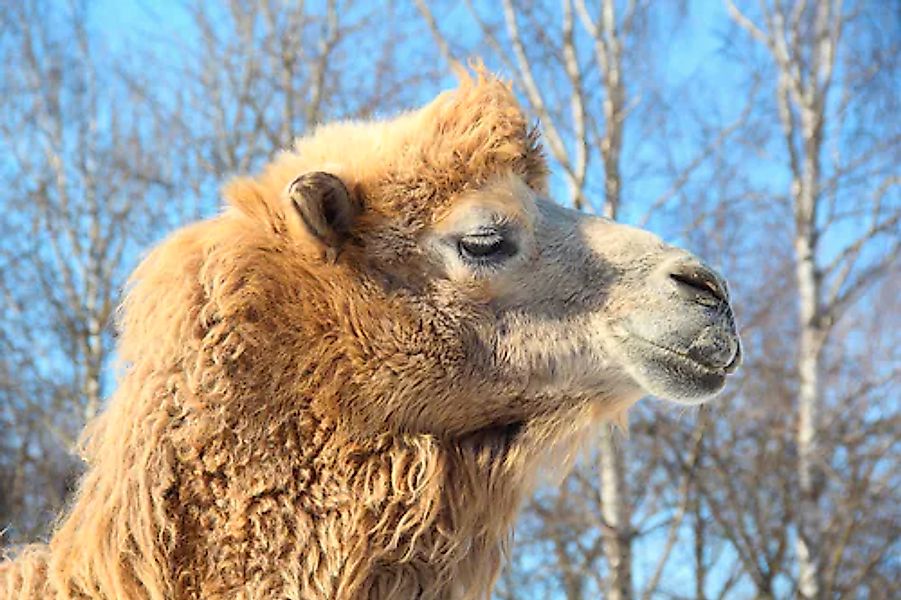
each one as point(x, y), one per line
point(615, 502)
point(616, 510)
point(801, 40)
point(809, 543)
point(805, 196)
point(804, 76)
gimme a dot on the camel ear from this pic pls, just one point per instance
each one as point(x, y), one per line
point(323, 208)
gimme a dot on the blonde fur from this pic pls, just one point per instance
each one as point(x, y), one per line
point(288, 426)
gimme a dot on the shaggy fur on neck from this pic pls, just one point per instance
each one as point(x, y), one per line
point(255, 447)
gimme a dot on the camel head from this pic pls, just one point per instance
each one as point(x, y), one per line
point(466, 298)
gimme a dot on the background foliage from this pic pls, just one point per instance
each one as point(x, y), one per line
point(764, 136)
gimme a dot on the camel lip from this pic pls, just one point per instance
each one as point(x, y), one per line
point(685, 358)
point(736, 361)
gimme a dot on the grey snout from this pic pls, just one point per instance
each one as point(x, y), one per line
point(717, 345)
point(699, 282)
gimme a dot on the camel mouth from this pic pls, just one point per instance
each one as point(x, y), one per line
point(686, 375)
point(704, 363)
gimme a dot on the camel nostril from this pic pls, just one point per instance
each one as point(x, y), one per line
point(698, 279)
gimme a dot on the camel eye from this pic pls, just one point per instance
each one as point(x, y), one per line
point(486, 246)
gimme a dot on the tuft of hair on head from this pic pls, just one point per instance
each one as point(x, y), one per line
point(476, 66)
point(484, 125)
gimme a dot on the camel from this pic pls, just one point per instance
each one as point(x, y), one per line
point(346, 383)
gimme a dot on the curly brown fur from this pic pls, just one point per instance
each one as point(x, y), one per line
point(316, 405)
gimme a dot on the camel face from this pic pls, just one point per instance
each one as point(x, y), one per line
point(585, 307)
point(505, 307)
point(475, 301)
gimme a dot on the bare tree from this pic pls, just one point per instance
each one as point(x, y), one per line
point(572, 66)
point(256, 74)
point(78, 188)
point(803, 41)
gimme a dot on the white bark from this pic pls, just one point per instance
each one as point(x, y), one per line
point(608, 55)
point(809, 540)
point(812, 332)
point(616, 510)
point(804, 64)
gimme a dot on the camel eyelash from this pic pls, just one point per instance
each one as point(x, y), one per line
point(486, 246)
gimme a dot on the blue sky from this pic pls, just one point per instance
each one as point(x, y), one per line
point(693, 54)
